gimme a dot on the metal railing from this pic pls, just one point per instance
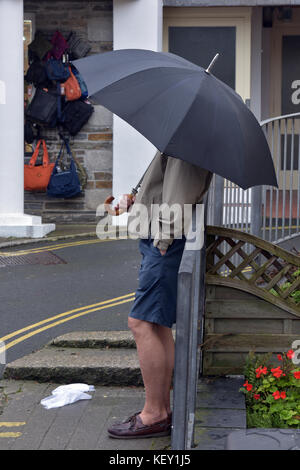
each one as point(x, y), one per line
point(265, 211)
point(189, 336)
point(281, 206)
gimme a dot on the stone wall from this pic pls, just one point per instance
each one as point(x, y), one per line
point(92, 20)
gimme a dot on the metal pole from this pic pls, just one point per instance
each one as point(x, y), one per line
point(256, 210)
point(219, 200)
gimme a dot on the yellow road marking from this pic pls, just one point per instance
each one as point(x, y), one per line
point(12, 424)
point(35, 332)
point(56, 247)
point(69, 312)
point(10, 434)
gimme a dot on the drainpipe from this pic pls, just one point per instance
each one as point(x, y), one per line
point(13, 221)
point(255, 106)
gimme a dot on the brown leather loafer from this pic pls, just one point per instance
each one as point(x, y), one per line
point(133, 428)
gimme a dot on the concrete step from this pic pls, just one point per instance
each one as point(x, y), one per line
point(95, 339)
point(102, 358)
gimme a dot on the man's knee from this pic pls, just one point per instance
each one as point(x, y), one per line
point(139, 327)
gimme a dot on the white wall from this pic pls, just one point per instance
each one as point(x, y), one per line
point(137, 24)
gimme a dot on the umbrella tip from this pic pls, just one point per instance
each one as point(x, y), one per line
point(212, 63)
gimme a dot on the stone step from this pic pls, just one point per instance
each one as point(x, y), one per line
point(95, 339)
point(93, 366)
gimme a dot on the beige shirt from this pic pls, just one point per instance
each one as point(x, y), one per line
point(168, 181)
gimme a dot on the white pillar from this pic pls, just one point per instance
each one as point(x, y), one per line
point(137, 24)
point(13, 221)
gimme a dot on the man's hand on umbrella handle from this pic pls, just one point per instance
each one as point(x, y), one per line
point(125, 203)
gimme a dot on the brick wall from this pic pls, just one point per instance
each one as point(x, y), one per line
point(92, 20)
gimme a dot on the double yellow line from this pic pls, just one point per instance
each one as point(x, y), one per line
point(55, 247)
point(12, 424)
point(61, 318)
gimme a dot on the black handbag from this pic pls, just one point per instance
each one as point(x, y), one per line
point(43, 107)
point(77, 47)
point(75, 115)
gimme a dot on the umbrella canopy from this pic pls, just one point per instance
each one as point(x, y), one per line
point(183, 110)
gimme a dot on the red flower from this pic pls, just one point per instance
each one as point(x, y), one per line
point(248, 386)
point(297, 374)
point(261, 370)
point(256, 396)
point(277, 372)
point(279, 357)
point(290, 354)
point(277, 395)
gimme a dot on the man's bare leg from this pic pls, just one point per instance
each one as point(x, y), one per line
point(167, 340)
point(156, 364)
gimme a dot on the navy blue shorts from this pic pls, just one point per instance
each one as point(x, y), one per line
point(156, 296)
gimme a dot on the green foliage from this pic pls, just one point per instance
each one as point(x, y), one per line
point(272, 392)
point(296, 294)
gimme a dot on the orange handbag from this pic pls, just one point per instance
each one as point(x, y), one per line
point(36, 177)
point(71, 87)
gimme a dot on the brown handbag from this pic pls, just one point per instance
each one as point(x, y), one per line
point(36, 177)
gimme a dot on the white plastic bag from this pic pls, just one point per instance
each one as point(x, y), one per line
point(67, 394)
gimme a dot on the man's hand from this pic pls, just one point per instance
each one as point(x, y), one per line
point(125, 203)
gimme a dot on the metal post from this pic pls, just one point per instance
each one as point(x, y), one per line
point(218, 200)
point(190, 311)
point(256, 211)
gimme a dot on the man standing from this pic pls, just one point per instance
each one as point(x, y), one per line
point(169, 181)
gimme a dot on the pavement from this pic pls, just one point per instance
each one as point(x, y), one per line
point(60, 233)
point(26, 425)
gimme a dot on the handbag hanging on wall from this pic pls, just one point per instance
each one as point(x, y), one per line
point(36, 177)
point(77, 46)
point(64, 182)
point(75, 115)
point(43, 107)
point(71, 87)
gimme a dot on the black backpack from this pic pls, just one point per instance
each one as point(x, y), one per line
point(75, 114)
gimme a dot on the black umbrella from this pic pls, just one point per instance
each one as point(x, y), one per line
point(183, 110)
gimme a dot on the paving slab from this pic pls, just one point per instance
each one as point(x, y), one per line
point(263, 439)
point(220, 409)
point(220, 392)
point(211, 438)
point(220, 418)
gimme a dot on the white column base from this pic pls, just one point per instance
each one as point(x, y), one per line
point(23, 225)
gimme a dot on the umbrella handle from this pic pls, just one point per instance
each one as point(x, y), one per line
point(114, 211)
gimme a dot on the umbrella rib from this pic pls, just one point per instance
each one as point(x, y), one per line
point(238, 122)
